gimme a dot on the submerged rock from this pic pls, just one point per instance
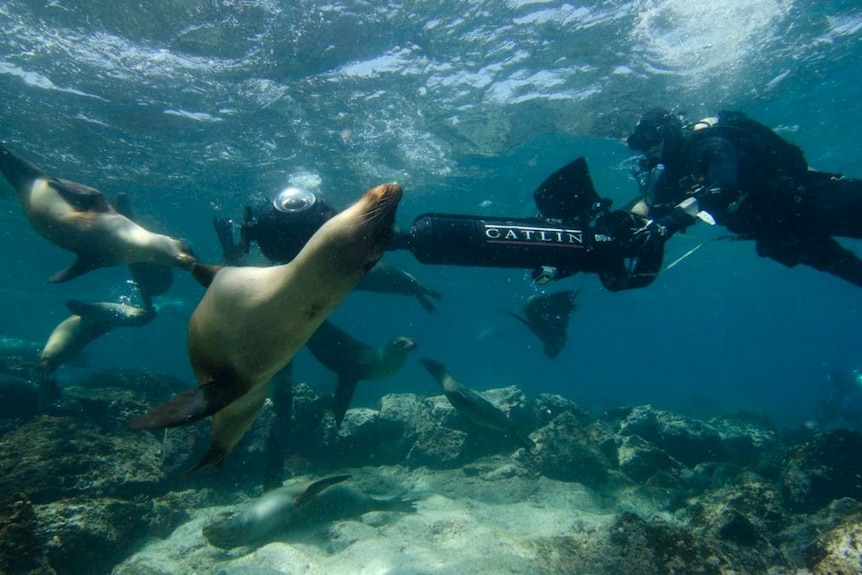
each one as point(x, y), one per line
point(825, 468)
point(90, 535)
point(569, 452)
point(837, 550)
point(54, 457)
point(21, 548)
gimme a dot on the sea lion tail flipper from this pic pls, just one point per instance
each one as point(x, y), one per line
point(214, 457)
point(78, 268)
point(426, 303)
point(189, 406)
point(204, 273)
point(18, 171)
point(343, 395)
point(436, 368)
point(395, 504)
point(433, 293)
point(319, 486)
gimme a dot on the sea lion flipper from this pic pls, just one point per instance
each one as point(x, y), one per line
point(18, 171)
point(317, 487)
point(82, 198)
point(426, 303)
point(213, 458)
point(189, 406)
point(79, 267)
point(343, 395)
point(204, 273)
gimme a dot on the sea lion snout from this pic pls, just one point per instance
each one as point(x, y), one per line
point(380, 203)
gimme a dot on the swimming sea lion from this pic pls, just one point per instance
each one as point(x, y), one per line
point(79, 219)
point(150, 278)
point(88, 322)
point(385, 278)
point(353, 360)
point(252, 320)
point(296, 505)
point(547, 316)
point(473, 406)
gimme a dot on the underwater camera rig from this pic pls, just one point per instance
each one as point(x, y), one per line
point(573, 232)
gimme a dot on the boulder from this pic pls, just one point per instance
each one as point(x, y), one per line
point(21, 549)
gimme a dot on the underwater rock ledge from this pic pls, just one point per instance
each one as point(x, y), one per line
point(640, 487)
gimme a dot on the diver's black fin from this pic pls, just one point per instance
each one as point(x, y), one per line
point(521, 319)
point(189, 406)
point(319, 486)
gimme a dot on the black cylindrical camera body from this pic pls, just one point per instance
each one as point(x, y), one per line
point(527, 243)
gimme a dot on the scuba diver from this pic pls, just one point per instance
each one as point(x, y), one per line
point(574, 231)
point(734, 171)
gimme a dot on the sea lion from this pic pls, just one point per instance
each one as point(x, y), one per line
point(298, 504)
point(547, 316)
point(473, 406)
point(386, 278)
point(353, 360)
point(252, 320)
point(88, 322)
point(150, 278)
point(77, 218)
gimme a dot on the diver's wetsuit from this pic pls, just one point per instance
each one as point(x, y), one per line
point(790, 211)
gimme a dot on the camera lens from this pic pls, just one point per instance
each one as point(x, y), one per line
point(292, 200)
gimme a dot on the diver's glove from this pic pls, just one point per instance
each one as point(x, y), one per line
point(231, 252)
point(636, 234)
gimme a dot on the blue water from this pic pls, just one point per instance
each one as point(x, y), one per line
point(195, 109)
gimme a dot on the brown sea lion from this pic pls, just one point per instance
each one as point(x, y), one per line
point(150, 278)
point(79, 219)
point(547, 316)
point(252, 320)
point(353, 360)
point(473, 406)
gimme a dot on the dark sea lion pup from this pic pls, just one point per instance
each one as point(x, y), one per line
point(547, 316)
point(473, 406)
point(252, 320)
point(353, 360)
point(79, 219)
